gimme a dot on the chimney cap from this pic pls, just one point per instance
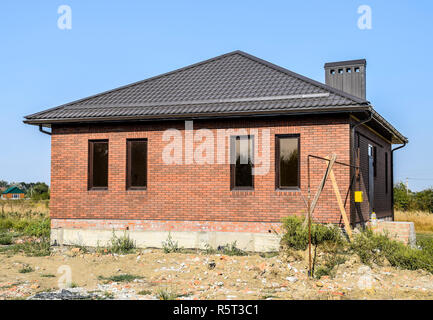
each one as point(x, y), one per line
point(346, 63)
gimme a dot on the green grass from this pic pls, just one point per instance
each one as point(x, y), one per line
point(121, 278)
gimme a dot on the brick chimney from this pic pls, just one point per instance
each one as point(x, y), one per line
point(347, 76)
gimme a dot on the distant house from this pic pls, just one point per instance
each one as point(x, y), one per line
point(14, 193)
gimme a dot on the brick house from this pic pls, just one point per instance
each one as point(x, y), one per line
point(151, 157)
point(12, 193)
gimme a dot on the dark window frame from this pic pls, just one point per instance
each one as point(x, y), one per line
point(129, 167)
point(91, 143)
point(277, 161)
point(233, 186)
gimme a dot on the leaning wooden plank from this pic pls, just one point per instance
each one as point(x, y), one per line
point(341, 205)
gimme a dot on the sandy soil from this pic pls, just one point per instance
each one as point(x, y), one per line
point(192, 277)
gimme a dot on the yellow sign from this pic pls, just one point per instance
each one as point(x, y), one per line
point(358, 196)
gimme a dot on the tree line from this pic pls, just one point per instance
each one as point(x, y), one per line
point(408, 200)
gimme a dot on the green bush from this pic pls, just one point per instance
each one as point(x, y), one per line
point(296, 235)
point(38, 228)
point(374, 248)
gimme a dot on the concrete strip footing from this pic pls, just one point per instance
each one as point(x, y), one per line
point(255, 242)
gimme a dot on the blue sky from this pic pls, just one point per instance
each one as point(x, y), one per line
point(113, 43)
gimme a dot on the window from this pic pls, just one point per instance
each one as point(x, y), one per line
point(241, 162)
point(98, 164)
point(372, 152)
point(15, 196)
point(136, 164)
point(287, 161)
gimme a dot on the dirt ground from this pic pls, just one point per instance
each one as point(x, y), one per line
point(200, 276)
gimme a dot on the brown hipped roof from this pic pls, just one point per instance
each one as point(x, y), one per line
point(235, 83)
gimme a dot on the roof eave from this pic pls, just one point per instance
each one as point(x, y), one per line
point(297, 111)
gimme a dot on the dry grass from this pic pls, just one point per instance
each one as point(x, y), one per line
point(423, 220)
point(25, 208)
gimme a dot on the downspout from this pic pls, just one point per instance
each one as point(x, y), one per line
point(43, 131)
point(392, 176)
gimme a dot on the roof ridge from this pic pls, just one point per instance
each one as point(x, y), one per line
point(303, 78)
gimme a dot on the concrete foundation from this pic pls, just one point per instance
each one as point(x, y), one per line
point(255, 242)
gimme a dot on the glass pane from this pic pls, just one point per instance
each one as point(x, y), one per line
point(138, 163)
point(243, 166)
point(289, 162)
point(100, 164)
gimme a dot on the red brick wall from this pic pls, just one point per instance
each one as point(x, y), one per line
point(193, 192)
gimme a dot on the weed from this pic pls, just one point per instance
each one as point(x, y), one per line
point(26, 269)
point(328, 268)
point(163, 294)
point(232, 250)
point(169, 245)
point(118, 245)
point(208, 249)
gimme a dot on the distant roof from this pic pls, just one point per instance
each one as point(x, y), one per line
point(13, 190)
point(235, 83)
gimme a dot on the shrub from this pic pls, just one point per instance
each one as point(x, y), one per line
point(38, 228)
point(296, 235)
point(374, 248)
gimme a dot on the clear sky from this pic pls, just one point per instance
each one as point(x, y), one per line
point(114, 43)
